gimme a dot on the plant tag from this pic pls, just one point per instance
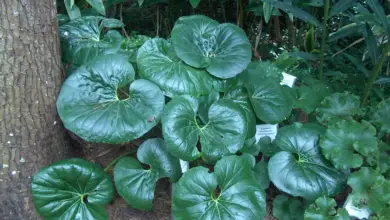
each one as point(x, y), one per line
point(288, 80)
point(184, 166)
point(356, 212)
point(266, 130)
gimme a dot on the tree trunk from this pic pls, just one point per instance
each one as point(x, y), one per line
point(30, 78)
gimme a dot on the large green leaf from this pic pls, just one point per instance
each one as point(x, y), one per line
point(258, 71)
point(269, 101)
point(230, 192)
point(205, 102)
point(194, 3)
point(370, 188)
point(90, 105)
point(300, 169)
point(82, 40)
point(338, 106)
point(72, 189)
point(240, 96)
point(349, 139)
point(223, 134)
point(223, 49)
point(157, 62)
point(285, 208)
point(135, 184)
point(267, 9)
point(382, 115)
point(323, 208)
point(380, 15)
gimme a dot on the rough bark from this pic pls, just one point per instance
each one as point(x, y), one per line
point(30, 77)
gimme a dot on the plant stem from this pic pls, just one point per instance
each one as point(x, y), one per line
point(377, 69)
point(323, 40)
point(113, 162)
point(121, 19)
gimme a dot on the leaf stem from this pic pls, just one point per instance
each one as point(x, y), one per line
point(377, 69)
point(324, 37)
point(113, 162)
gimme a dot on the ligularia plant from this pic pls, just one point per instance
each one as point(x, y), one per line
point(204, 94)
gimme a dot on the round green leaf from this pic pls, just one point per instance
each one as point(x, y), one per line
point(285, 208)
point(382, 115)
point(323, 209)
point(89, 105)
point(240, 96)
point(72, 189)
point(82, 39)
point(299, 169)
point(269, 101)
point(223, 49)
point(135, 184)
point(157, 62)
point(349, 139)
point(251, 147)
point(370, 188)
point(231, 192)
point(338, 106)
point(223, 134)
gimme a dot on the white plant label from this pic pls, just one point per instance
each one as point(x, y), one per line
point(288, 80)
point(184, 166)
point(266, 130)
point(356, 212)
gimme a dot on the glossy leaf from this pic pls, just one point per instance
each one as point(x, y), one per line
point(347, 30)
point(323, 208)
point(257, 71)
point(300, 169)
point(157, 62)
point(349, 139)
point(223, 49)
point(285, 208)
point(205, 102)
point(241, 97)
point(82, 40)
point(72, 189)
point(261, 174)
point(135, 184)
point(251, 147)
point(269, 101)
point(197, 194)
point(382, 116)
point(340, 6)
point(223, 134)
point(370, 188)
point(90, 106)
point(338, 106)
point(98, 6)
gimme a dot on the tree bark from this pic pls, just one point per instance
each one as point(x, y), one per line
point(30, 78)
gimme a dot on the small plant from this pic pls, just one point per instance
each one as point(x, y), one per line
point(207, 95)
